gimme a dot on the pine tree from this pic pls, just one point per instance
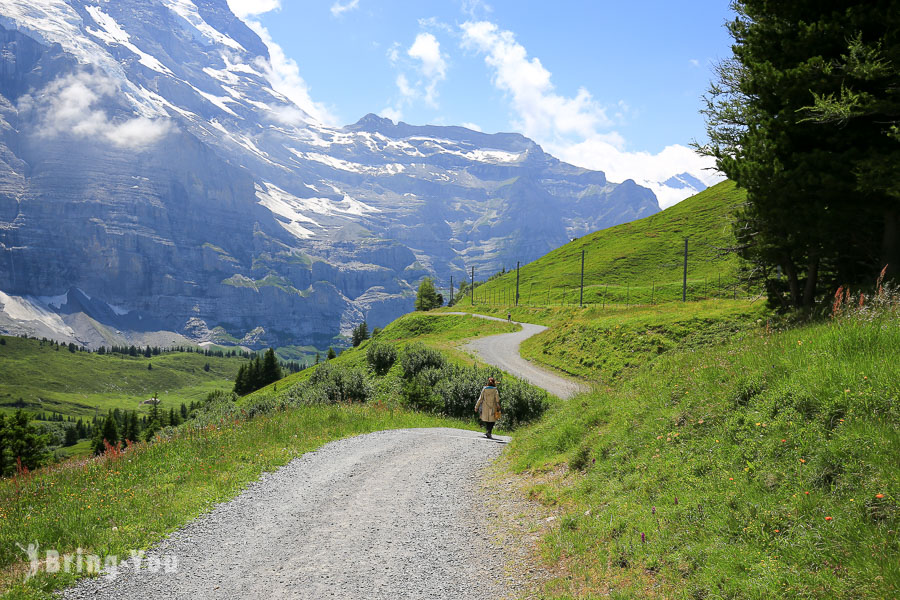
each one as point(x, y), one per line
point(240, 382)
point(24, 441)
point(271, 370)
point(360, 334)
point(427, 296)
point(331, 353)
point(71, 436)
point(4, 446)
point(111, 430)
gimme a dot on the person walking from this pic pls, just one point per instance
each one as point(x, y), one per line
point(488, 406)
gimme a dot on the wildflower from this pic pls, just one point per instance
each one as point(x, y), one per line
point(676, 499)
point(783, 441)
point(643, 539)
point(807, 493)
point(879, 496)
point(777, 531)
point(803, 460)
point(700, 422)
point(653, 511)
point(828, 518)
point(731, 479)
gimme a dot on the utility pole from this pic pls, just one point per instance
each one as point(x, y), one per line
point(473, 287)
point(684, 280)
point(517, 283)
point(581, 296)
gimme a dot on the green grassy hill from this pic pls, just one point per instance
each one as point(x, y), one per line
point(38, 377)
point(761, 468)
point(636, 262)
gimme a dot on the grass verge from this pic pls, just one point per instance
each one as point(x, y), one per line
point(765, 468)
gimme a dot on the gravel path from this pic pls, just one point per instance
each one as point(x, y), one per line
point(393, 514)
point(502, 351)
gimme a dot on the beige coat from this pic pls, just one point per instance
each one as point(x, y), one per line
point(488, 403)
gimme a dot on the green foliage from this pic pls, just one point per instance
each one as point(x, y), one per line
point(787, 123)
point(331, 353)
point(360, 334)
point(21, 442)
point(427, 297)
point(762, 467)
point(419, 395)
point(257, 374)
point(417, 357)
point(381, 356)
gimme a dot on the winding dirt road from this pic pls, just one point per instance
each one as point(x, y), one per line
point(502, 351)
point(393, 515)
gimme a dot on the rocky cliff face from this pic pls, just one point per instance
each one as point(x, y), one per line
point(147, 165)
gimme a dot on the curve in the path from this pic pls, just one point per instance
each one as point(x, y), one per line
point(502, 350)
point(392, 515)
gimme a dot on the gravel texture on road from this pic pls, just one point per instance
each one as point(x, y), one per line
point(394, 514)
point(502, 350)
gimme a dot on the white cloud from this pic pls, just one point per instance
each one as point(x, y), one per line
point(283, 74)
point(391, 113)
point(406, 90)
point(427, 50)
point(475, 9)
point(575, 129)
point(338, 9)
point(68, 106)
point(251, 8)
point(472, 126)
point(694, 62)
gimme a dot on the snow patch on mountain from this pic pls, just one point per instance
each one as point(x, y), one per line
point(187, 10)
point(112, 33)
point(25, 309)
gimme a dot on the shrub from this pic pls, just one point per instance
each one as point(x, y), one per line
point(419, 395)
point(339, 384)
point(417, 357)
point(381, 356)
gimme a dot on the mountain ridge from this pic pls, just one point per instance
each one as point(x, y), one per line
point(146, 159)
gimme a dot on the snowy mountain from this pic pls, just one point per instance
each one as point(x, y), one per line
point(155, 186)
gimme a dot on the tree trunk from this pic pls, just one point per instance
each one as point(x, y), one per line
point(812, 279)
point(890, 243)
point(790, 272)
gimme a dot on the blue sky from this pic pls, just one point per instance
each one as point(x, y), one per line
point(614, 86)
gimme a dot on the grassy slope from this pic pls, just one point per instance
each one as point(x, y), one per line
point(442, 332)
point(631, 258)
point(78, 383)
point(601, 344)
point(763, 460)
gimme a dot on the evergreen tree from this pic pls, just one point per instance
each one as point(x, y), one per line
point(331, 353)
point(318, 358)
point(149, 366)
point(132, 428)
point(427, 296)
point(24, 441)
point(206, 367)
point(150, 431)
point(271, 370)
point(111, 430)
point(184, 412)
point(4, 447)
point(240, 382)
point(71, 436)
point(808, 129)
point(360, 334)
